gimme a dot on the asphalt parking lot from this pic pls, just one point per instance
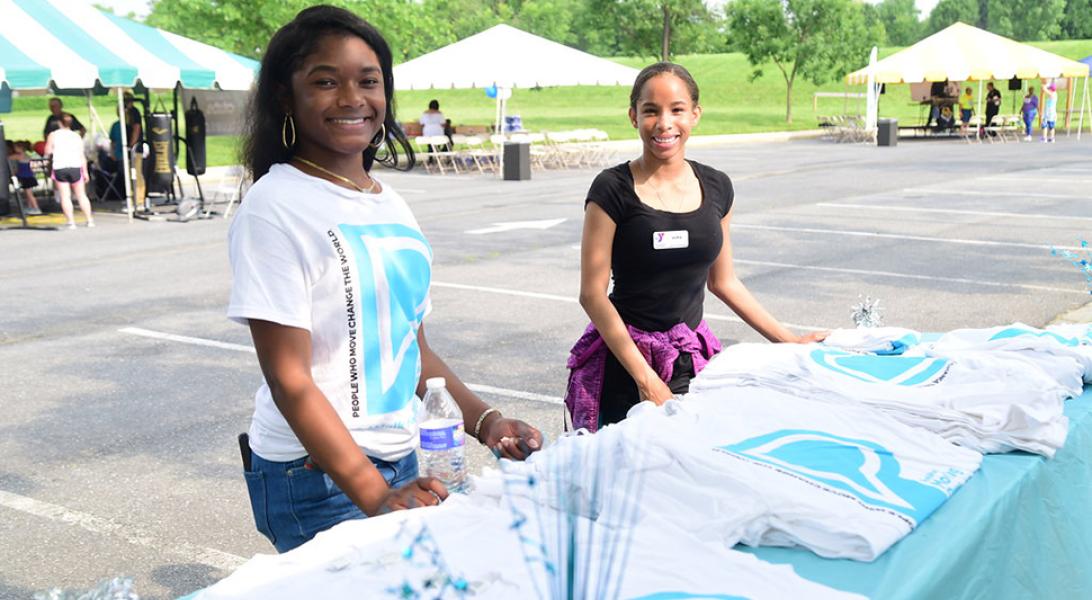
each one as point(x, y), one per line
point(124, 384)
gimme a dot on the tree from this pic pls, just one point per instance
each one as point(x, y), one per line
point(947, 12)
point(660, 28)
point(815, 39)
point(1077, 23)
point(1024, 19)
point(900, 22)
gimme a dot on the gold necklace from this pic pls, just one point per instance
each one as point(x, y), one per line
point(370, 189)
point(659, 198)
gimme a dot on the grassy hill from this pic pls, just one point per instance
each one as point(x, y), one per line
point(731, 101)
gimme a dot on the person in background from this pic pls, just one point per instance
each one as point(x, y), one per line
point(65, 146)
point(332, 274)
point(20, 160)
point(1050, 112)
point(433, 124)
point(966, 109)
point(659, 224)
point(134, 136)
point(946, 120)
point(993, 104)
point(53, 121)
point(1029, 110)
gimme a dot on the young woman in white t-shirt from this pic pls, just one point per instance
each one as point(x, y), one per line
point(331, 273)
point(432, 120)
point(69, 166)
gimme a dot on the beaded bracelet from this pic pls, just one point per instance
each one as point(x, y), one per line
point(481, 421)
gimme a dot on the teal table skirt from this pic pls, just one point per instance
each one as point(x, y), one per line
point(1020, 528)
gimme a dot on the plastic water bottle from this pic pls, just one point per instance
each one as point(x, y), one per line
point(443, 450)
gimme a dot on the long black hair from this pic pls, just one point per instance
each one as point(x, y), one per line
point(262, 141)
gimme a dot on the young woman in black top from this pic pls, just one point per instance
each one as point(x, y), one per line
point(660, 225)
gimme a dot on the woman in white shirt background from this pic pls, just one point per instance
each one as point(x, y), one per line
point(432, 124)
point(69, 169)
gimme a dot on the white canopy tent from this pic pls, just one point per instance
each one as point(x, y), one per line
point(507, 58)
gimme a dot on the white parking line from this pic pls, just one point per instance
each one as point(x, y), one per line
point(507, 292)
point(950, 211)
point(896, 236)
point(496, 391)
point(998, 284)
point(216, 559)
point(940, 192)
point(573, 299)
point(1042, 179)
point(195, 341)
point(159, 335)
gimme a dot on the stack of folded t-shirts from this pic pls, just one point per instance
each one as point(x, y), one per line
point(984, 400)
point(756, 466)
point(1050, 347)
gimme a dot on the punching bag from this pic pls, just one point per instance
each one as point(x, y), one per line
point(5, 176)
point(195, 139)
point(159, 166)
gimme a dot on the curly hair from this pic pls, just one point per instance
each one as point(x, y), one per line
point(262, 145)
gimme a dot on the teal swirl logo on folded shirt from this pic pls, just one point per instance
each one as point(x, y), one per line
point(1015, 332)
point(394, 270)
point(898, 370)
point(861, 469)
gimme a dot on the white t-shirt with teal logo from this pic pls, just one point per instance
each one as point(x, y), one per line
point(354, 270)
point(988, 401)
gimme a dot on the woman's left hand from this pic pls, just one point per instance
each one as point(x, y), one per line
point(511, 438)
point(815, 336)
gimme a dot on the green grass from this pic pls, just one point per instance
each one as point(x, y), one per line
point(732, 103)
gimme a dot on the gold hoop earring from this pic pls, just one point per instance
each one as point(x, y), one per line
point(289, 125)
point(382, 137)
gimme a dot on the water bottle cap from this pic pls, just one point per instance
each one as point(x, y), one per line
point(435, 383)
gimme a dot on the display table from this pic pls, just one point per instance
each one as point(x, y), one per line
point(1020, 528)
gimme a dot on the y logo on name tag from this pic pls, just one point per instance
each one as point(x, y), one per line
point(667, 240)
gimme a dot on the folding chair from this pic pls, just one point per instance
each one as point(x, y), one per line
point(230, 188)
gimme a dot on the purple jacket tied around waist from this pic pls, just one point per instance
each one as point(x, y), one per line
point(660, 349)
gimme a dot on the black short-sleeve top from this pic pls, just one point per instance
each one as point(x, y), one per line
point(660, 260)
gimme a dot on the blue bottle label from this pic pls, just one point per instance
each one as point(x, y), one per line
point(444, 438)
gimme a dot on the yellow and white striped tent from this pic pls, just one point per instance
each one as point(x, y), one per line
point(961, 52)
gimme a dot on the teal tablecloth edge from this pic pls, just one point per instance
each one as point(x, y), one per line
point(1019, 528)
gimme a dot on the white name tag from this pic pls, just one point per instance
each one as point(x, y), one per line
point(666, 240)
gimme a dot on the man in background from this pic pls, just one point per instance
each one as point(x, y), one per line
point(56, 113)
point(134, 136)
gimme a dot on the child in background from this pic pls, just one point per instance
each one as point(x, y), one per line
point(25, 175)
point(1050, 112)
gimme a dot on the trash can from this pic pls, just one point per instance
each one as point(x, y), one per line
point(888, 133)
point(517, 161)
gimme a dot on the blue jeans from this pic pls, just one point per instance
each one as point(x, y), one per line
point(293, 501)
point(1029, 119)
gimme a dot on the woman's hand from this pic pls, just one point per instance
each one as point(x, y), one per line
point(654, 389)
point(425, 491)
point(815, 336)
point(510, 438)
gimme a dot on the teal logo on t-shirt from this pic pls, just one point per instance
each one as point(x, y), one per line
point(1013, 332)
point(899, 370)
point(859, 468)
point(393, 264)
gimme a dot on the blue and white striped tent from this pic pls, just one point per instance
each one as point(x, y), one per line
point(61, 44)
